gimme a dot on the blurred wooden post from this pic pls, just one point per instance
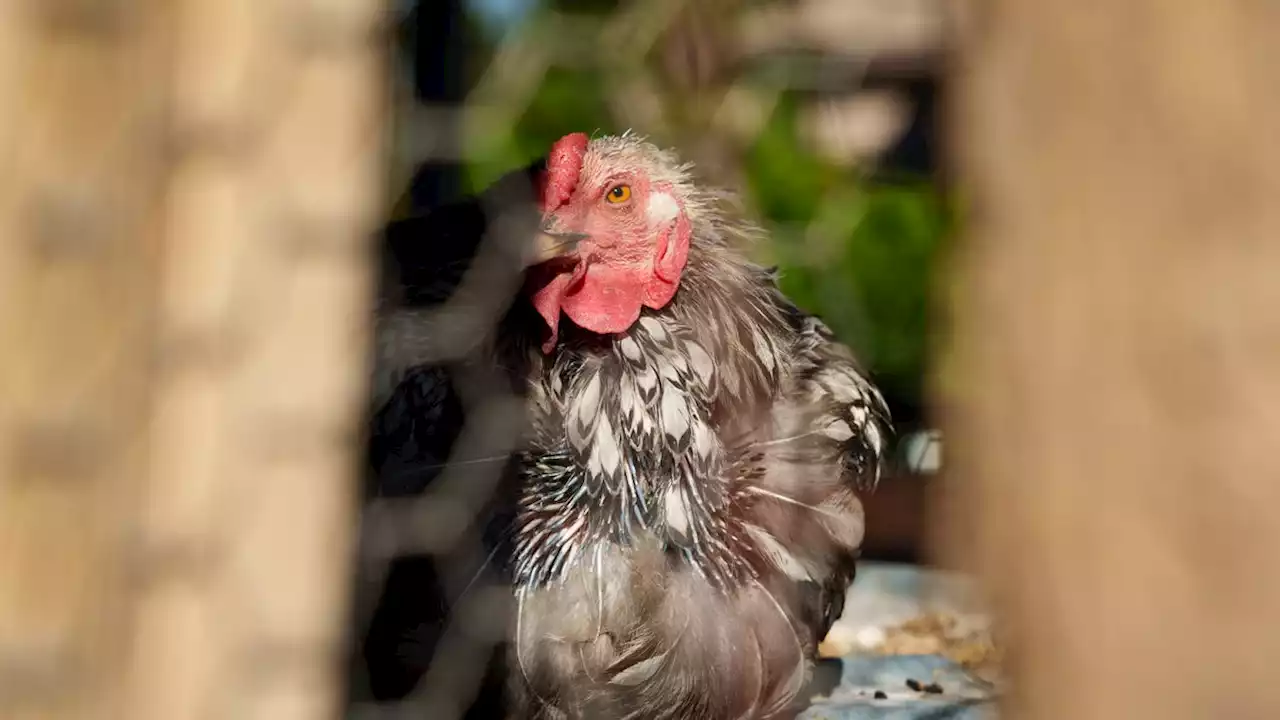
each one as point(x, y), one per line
point(81, 95)
point(1117, 366)
point(187, 192)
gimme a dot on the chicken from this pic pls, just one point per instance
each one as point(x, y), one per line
point(684, 520)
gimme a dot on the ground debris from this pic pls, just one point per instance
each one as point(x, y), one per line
point(973, 648)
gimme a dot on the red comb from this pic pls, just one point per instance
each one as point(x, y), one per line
point(564, 164)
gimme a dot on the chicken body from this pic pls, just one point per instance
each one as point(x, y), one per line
point(684, 523)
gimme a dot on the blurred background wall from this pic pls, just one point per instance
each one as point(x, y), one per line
point(187, 192)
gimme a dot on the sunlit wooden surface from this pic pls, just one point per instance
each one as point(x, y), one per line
point(1116, 382)
point(188, 188)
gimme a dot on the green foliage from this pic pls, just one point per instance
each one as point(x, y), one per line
point(786, 180)
point(568, 100)
point(857, 253)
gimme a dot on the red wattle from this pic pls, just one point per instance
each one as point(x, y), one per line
point(607, 301)
point(547, 300)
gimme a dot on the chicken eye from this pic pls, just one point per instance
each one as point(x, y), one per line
point(619, 194)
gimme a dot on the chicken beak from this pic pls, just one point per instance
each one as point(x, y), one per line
point(548, 246)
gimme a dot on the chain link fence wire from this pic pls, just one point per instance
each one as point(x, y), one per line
point(188, 194)
point(703, 76)
point(189, 188)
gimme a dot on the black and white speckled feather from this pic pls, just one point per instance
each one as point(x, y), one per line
point(687, 521)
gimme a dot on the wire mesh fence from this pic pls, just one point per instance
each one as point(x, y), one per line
point(192, 187)
point(187, 328)
point(432, 608)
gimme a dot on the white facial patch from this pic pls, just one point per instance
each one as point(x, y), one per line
point(662, 209)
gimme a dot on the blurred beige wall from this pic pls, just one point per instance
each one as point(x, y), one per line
point(1117, 353)
point(187, 192)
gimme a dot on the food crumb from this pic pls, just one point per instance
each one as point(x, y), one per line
point(880, 695)
point(914, 684)
point(933, 688)
point(973, 648)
